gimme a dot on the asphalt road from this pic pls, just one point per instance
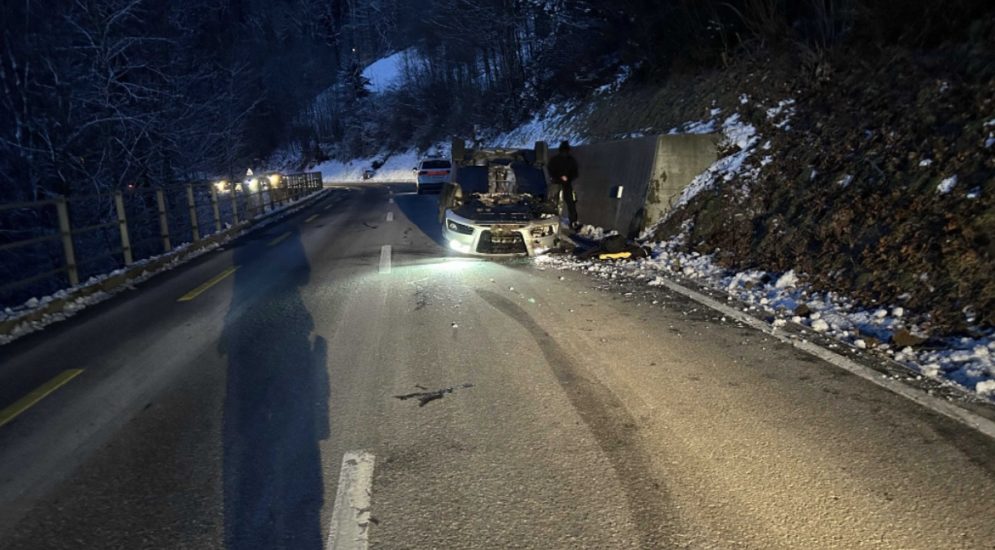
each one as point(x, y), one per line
point(579, 417)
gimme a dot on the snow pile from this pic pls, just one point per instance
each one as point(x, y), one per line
point(782, 298)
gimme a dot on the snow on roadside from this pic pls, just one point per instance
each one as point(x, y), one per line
point(968, 363)
point(175, 259)
point(397, 168)
point(79, 304)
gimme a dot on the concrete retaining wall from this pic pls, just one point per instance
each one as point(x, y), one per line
point(652, 171)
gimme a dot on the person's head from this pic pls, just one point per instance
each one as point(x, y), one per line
point(564, 147)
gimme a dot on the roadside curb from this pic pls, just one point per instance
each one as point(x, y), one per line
point(970, 419)
point(113, 284)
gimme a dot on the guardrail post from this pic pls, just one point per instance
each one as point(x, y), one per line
point(122, 223)
point(72, 271)
point(160, 200)
point(234, 203)
point(192, 205)
point(215, 209)
point(276, 191)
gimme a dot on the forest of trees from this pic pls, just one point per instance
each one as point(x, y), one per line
point(493, 63)
point(101, 94)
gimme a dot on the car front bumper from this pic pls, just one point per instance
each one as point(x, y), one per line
point(500, 239)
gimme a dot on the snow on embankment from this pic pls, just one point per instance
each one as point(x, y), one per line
point(387, 72)
point(552, 126)
point(397, 168)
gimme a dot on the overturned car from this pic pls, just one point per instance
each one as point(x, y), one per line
point(496, 202)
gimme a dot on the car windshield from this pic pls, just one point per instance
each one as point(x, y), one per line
point(434, 164)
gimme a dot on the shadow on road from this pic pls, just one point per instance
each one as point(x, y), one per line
point(423, 211)
point(276, 406)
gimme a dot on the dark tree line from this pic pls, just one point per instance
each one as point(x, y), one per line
point(494, 62)
point(96, 95)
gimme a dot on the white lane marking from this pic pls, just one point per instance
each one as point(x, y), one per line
point(351, 512)
point(391, 200)
point(934, 404)
point(390, 216)
point(385, 258)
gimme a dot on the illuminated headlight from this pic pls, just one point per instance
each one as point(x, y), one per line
point(543, 230)
point(459, 228)
point(459, 247)
point(221, 186)
point(274, 180)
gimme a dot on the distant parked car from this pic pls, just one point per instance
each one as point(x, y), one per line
point(432, 174)
point(369, 173)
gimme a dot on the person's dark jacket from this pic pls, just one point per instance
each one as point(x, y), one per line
point(562, 165)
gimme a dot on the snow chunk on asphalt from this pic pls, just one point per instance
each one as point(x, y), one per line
point(820, 326)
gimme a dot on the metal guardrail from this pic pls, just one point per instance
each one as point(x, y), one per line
point(117, 229)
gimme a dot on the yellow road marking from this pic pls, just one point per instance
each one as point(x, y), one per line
point(279, 239)
point(204, 287)
point(43, 391)
point(311, 219)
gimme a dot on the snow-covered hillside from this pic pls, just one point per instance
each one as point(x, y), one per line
point(387, 72)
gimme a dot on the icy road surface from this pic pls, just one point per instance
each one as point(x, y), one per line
point(477, 404)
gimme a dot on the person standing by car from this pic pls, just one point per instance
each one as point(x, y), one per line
point(563, 171)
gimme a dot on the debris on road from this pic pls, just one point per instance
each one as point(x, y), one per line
point(425, 397)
